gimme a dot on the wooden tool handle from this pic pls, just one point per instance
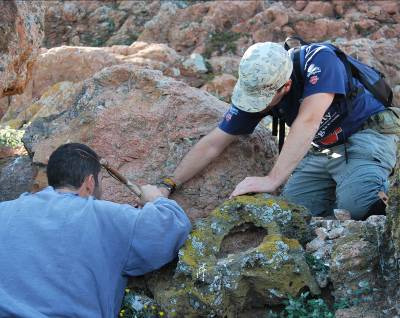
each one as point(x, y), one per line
point(115, 173)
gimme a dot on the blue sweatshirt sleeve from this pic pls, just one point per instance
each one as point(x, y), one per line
point(160, 229)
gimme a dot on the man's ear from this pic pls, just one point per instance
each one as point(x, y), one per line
point(288, 86)
point(88, 186)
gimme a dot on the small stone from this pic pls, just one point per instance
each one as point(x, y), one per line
point(377, 220)
point(335, 233)
point(350, 223)
point(342, 214)
point(195, 63)
point(325, 251)
point(76, 40)
point(330, 224)
point(317, 219)
point(314, 245)
point(322, 233)
point(221, 86)
point(322, 280)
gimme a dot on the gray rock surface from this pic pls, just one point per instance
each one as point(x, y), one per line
point(16, 177)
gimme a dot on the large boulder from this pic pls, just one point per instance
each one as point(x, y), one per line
point(16, 176)
point(245, 256)
point(21, 25)
point(143, 123)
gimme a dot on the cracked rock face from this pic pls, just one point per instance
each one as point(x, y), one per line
point(143, 123)
point(21, 33)
point(244, 255)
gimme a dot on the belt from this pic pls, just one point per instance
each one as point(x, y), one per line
point(329, 152)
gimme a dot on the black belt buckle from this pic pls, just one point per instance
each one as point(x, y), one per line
point(316, 149)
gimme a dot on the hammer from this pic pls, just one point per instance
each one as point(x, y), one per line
point(118, 176)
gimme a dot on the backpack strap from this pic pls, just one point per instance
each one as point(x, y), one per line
point(298, 57)
point(278, 129)
point(281, 137)
point(354, 90)
point(278, 123)
point(292, 38)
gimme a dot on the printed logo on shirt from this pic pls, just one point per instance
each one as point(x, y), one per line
point(332, 138)
point(328, 119)
point(230, 112)
point(314, 79)
point(312, 70)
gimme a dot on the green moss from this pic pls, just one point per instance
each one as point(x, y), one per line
point(316, 264)
point(206, 282)
point(269, 243)
point(11, 137)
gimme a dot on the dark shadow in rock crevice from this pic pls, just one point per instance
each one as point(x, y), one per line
point(241, 238)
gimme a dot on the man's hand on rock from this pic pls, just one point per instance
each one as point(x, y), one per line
point(255, 185)
point(150, 193)
point(164, 191)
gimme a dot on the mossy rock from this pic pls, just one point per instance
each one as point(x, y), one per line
point(246, 253)
point(391, 240)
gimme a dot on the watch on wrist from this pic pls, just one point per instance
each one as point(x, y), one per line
point(168, 183)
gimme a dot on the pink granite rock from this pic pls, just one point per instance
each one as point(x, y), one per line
point(221, 86)
point(75, 64)
point(143, 123)
point(21, 24)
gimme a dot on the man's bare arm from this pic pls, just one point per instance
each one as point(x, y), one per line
point(206, 150)
point(296, 145)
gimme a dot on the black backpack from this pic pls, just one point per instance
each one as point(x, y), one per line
point(373, 80)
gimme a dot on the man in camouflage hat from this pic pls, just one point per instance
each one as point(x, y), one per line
point(334, 159)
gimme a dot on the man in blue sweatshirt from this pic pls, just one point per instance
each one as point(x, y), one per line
point(66, 253)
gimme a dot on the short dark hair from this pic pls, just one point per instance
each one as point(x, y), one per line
point(70, 164)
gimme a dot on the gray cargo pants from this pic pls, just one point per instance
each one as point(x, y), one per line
point(323, 180)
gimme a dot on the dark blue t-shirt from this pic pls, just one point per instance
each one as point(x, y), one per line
point(323, 73)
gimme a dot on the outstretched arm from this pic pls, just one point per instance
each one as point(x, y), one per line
point(297, 143)
point(206, 150)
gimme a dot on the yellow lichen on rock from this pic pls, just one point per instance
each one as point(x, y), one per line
point(56, 99)
point(214, 277)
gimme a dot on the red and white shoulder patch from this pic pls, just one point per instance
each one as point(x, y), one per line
point(314, 79)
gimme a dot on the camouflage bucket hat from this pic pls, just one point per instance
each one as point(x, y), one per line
point(264, 68)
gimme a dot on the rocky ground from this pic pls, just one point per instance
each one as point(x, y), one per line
point(142, 81)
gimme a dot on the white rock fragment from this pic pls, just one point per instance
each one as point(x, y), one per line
point(377, 220)
point(195, 63)
point(342, 214)
point(335, 233)
point(314, 245)
point(322, 233)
